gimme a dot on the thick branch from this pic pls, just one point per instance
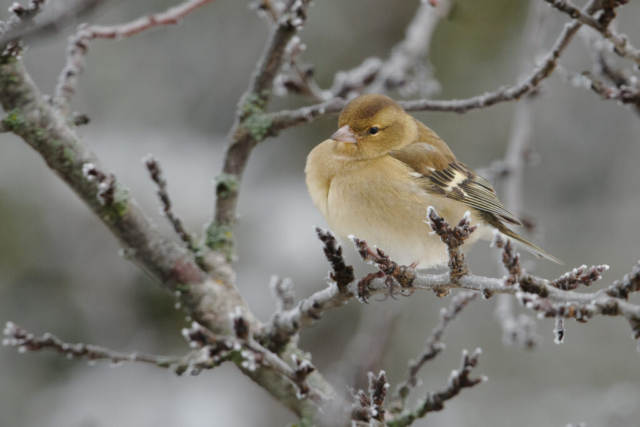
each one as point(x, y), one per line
point(41, 126)
point(207, 298)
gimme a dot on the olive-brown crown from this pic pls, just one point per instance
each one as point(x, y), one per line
point(378, 123)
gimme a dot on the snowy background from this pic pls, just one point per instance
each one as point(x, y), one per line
point(173, 92)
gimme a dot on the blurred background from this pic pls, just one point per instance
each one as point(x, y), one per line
point(173, 92)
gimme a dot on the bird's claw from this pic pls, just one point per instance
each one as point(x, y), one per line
point(363, 284)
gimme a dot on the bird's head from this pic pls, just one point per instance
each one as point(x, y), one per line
point(372, 125)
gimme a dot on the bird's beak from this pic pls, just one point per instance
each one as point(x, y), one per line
point(344, 134)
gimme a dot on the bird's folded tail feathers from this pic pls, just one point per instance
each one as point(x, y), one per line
point(538, 252)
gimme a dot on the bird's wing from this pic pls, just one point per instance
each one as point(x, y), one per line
point(440, 174)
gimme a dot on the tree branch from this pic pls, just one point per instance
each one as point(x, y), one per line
point(622, 45)
point(24, 341)
point(29, 116)
point(289, 118)
point(50, 24)
point(434, 401)
point(251, 126)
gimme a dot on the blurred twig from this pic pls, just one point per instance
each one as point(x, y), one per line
point(51, 23)
point(365, 351)
point(79, 44)
point(396, 71)
point(432, 348)
point(520, 330)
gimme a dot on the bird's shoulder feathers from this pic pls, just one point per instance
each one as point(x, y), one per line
point(438, 172)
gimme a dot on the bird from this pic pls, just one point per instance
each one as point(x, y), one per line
point(380, 172)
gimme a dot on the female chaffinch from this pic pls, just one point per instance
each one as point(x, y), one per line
point(378, 174)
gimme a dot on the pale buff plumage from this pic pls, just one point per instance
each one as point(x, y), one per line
point(376, 187)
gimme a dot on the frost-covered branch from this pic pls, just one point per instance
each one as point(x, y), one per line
point(519, 283)
point(156, 175)
point(433, 347)
point(454, 238)
point(434, 401)
point(369, 407)
point(262, 356)
point(289, 320)
point(49, 24)
point(295, 76)
point(608, 80)
point(623, 288)
point(79, 44)
point(21, 18)
point(24, 341)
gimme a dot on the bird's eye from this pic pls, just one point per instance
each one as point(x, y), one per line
point(374, 130)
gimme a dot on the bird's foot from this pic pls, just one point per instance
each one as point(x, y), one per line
point(363, 284)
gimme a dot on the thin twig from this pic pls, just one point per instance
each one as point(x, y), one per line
point(434, 401)
point(156, 175)
point(24, 341)
point(622, 45)
point(294, 76)
point(341, 273)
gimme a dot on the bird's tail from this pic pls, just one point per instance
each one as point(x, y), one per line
point(539, 252)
